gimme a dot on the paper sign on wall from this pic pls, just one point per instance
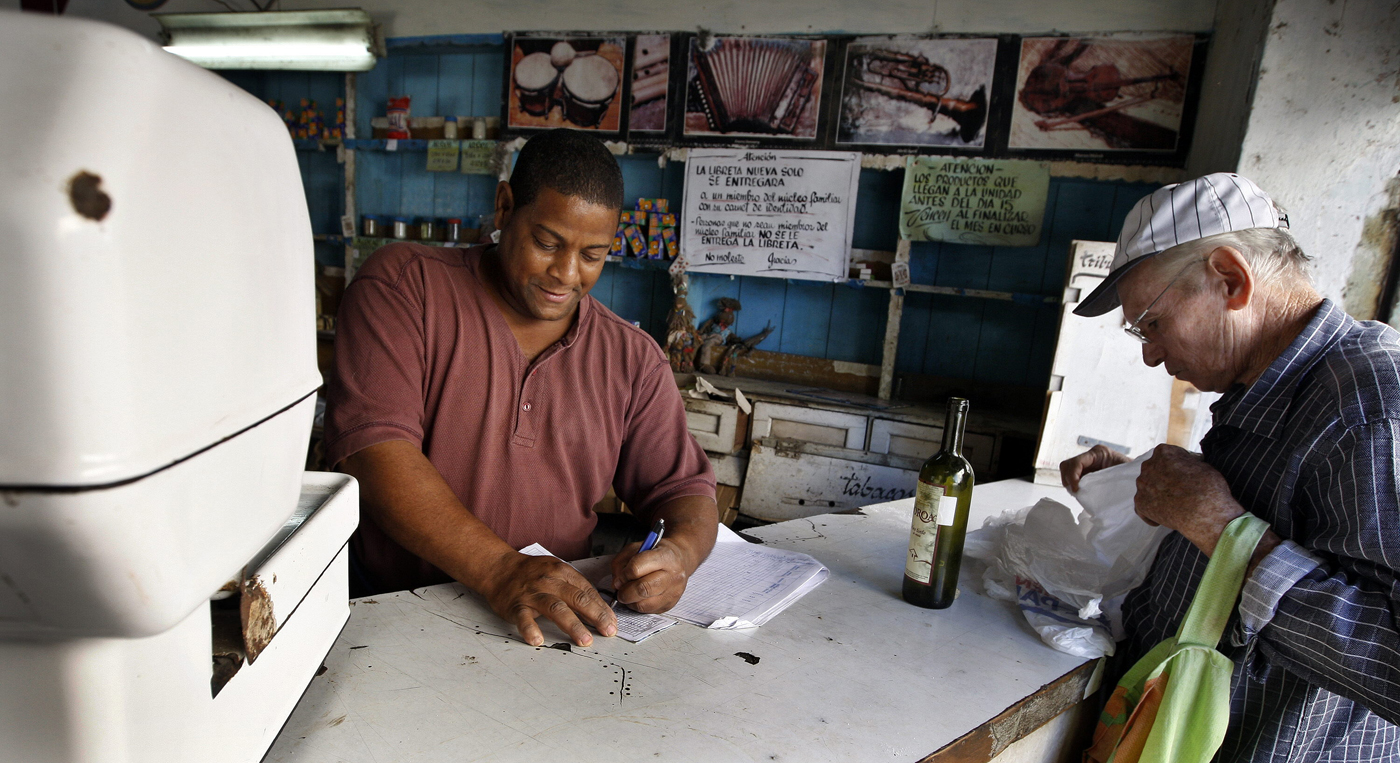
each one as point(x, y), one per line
point(442, 155)
point(478, 157)
point(973, 201)
point(779, 213)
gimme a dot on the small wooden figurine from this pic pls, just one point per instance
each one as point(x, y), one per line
point(682, 341)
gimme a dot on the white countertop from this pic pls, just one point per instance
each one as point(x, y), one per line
point(849, 672)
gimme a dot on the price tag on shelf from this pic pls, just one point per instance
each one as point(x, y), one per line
point(391, 144)
point(478, 157)
point(442, 155)
point(899, 273)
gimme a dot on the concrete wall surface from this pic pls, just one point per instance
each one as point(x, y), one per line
point(1324, 138)
point(412, 18)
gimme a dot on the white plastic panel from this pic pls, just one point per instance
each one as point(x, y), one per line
point(148, 699)
point(182, 314)
point(137, 559)
point(326, 515)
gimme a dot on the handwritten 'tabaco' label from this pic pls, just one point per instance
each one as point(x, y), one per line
point(973, 201)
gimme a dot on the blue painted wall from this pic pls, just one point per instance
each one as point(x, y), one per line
point(957, 337)
point(325, 196)
point(441, 84)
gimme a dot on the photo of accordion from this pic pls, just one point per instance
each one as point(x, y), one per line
point(766, 87)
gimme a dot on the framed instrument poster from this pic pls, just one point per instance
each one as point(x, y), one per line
point(555, 80)
point(1125, 98)
point(782, 213)
point(906, 94)
point(652, 80)
point(754, 90)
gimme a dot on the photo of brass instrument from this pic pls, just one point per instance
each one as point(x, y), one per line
point(917, 91)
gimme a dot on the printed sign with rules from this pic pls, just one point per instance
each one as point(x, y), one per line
point(993, 202)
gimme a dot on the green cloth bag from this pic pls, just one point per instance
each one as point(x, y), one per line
point(1173, 706)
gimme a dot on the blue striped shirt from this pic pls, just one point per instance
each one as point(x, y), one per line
point(1310, 448)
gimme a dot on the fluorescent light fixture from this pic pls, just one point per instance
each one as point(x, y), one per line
point(330, 40)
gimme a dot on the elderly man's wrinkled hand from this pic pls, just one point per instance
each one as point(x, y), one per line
point(1091, 460)
point(525, 587)
point(1180, 491)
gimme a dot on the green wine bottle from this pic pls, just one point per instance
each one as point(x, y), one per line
point(940, 518)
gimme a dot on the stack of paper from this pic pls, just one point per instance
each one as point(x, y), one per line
point(742, 585)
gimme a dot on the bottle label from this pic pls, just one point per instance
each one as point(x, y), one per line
point(947, 509)
point(923, 533)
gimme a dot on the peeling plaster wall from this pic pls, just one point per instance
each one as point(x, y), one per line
point(1324, 137)
point(411, 18)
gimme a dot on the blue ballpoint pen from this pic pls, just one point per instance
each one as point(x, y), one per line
point(653, 537)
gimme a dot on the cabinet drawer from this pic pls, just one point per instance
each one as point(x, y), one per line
point(792, 422)
point(715, 424)
point(920, 441)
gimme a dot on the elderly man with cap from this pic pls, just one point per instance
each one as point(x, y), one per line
point(1304, 437)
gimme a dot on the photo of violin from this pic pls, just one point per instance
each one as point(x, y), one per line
point(1117, 94)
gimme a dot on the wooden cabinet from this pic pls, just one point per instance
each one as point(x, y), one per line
point(919, 441)
point(717, 425)
point(801, 456)
point(818, 425)
point(788, 479)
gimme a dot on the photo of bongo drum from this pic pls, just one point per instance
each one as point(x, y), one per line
point(590, 82)
point(535, 76)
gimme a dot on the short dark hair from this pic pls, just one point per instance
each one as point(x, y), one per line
point(571, 162)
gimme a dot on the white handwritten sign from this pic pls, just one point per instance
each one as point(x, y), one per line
point(778, 213)
point(973, 201)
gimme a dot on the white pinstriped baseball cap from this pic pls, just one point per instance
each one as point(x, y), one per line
point(1176, 214)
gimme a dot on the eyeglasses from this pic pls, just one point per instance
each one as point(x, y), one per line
point(1134, 328)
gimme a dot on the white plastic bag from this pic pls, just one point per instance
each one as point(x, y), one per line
point(1070, 576)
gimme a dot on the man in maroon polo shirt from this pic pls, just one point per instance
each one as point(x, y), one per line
point(486, 402)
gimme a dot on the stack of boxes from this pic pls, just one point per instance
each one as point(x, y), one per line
point(337, 129)
point(647, 232)
point(308, 124)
